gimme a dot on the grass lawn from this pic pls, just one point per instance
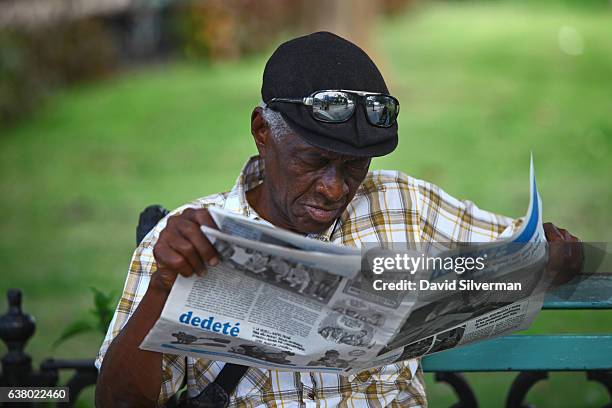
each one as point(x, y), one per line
point(481, 87)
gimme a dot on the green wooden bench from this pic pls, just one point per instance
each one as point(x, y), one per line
point(533, 356)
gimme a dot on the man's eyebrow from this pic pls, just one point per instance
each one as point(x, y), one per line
point(311, 152)
point(312, 155)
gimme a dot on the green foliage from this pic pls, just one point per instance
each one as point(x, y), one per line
point(228, 29)
point(104, 307)
point(20, 84)
point(98, 320)
point(35, 61)
point(73, 329)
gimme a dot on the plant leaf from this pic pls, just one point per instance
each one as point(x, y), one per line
point(103, 309)
point(77, 327)
point(102, 301)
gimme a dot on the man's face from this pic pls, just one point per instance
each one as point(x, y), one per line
point(309, 187)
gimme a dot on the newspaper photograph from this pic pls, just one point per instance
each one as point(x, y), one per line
point(279, 300)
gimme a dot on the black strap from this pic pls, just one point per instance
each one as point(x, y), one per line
point(229, 376)
point(216, 394)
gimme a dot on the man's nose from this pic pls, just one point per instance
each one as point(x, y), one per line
point(332, 185)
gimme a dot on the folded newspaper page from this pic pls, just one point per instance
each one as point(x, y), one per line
point(278, 300)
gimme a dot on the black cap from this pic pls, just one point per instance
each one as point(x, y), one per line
point(322, 61)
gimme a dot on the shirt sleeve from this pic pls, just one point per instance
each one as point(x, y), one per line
point(446, 219)
point(142, 266)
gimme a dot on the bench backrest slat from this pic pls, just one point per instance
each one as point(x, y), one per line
point(591, 292)
point(524, 353)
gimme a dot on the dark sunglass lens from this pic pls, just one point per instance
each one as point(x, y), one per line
point(382, 110)
point(333, 106)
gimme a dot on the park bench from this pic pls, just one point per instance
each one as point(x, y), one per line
point(532, 356)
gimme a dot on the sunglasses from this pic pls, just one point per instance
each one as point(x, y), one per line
point(337, 106)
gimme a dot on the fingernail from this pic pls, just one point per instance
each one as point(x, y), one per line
point(213, 261)
point(202, 272)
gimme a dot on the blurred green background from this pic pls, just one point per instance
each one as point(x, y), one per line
point(482, 84)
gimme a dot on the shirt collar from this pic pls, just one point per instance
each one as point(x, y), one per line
point(251, 176)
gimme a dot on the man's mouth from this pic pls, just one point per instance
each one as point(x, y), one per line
point(321, 214)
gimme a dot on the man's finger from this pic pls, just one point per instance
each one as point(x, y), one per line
point(565, 254)
point(200, 216)
point(168, 258)
point(568, 237)
point(186, 249)
point(552, 233)
point(206, 251)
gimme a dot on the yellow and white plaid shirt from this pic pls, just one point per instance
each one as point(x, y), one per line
point(388, 207)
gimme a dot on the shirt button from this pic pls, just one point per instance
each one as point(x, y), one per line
point(311, 395)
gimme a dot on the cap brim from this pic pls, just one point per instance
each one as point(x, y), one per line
point(382, 141)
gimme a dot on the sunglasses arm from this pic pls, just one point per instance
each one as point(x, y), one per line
point(306, 101)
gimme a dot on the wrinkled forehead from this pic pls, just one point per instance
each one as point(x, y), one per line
point(299, 148)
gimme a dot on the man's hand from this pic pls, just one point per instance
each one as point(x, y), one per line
point(183, 249)
point(566, 255)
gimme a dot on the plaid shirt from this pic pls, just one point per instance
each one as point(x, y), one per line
point(388, 207)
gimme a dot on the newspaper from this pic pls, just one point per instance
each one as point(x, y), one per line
point(279, 300)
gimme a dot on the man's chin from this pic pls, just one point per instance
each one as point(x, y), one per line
point(307, 225)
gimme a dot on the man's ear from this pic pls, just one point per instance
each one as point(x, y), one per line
point(260, 130)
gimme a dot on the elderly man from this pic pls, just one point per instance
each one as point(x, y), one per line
point(326, 112)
